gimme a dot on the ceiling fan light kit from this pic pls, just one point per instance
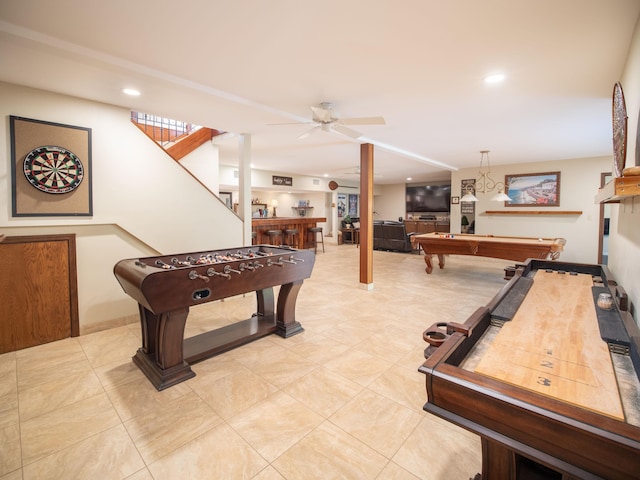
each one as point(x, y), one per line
point(328, 121)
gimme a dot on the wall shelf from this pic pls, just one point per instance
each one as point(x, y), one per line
point(533, 212)
point(619, 189)
point(302, 211)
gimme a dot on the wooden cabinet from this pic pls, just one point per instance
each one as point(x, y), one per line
point(40, 293)
point(619, 189)
point(426, 226)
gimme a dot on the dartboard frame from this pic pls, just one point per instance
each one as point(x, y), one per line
point(53, 169)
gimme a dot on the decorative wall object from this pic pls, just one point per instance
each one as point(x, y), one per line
point(468, 185)
point(50, 169)
point(533, 189)
point(353, 204)
point(279, 180)
point(227, 198)
point(342, 205)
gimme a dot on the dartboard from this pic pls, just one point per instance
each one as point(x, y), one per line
point(619, 113)
point(53, 169)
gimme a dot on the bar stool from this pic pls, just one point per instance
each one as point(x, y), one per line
point(291, 236)
point(273, 236)
point(314, 231)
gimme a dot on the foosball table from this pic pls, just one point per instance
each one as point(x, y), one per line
point(547, 373)
point(166, 286)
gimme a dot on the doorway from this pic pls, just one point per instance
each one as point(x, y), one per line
point(603, 229)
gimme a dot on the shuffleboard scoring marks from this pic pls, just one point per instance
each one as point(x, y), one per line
point(553, 346)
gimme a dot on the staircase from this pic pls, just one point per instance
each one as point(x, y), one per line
point(176, 138)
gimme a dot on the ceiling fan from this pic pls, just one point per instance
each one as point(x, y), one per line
point(355, 171)
point(328, 121)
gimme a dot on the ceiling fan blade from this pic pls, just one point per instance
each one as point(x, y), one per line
point(310, 132)
point(291, 123)
point(345, 131)
point(322, 115)
point(362, 121)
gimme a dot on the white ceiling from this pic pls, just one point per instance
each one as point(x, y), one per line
point(242, 65)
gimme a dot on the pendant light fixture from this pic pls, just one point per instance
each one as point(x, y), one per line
point(485, 183)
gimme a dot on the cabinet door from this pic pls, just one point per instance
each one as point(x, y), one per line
point(39, 277)
point(427, 227)
point(411, 226)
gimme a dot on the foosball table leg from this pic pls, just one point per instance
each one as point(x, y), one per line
point(286, 324)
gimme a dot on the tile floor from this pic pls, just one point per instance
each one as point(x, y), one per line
point(342, 400)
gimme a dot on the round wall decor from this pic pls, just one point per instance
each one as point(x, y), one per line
point(619, 114)
point(53, 169)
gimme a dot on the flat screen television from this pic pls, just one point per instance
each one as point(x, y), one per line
point(428, 198)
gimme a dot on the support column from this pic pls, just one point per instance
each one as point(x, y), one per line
point(244, 186)
point(366, 215)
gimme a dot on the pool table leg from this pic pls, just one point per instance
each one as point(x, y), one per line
point(427, 260)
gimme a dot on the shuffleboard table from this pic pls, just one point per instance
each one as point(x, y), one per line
point(518, 249)
point(547, 374)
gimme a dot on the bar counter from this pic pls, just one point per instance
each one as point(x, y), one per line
point(303, 224)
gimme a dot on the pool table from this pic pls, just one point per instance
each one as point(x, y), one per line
point(518, 249)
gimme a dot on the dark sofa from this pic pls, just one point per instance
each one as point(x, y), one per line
point(391, 235)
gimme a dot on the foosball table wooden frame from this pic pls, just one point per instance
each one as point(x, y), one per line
point(166, 286)
point(525, 433)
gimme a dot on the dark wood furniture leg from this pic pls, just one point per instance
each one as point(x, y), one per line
point(161, 357)
point(498, 461)
point(286, 324)
point(266, 302)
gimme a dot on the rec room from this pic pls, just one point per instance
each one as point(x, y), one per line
point(275, 242)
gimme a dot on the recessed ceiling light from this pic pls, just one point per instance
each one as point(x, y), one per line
point(409, 179)
point(131, 91)
point(494, 78)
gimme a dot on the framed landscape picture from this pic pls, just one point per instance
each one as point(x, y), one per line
point(533, 189)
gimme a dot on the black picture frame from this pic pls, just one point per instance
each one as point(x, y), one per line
point(27, 135)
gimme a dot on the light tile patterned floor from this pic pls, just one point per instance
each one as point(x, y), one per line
point(342, 400)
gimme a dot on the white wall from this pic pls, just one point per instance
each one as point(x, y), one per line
point(144, 203)
point(203, 165)
point(579, 182)
point(624, 238)
point(391, 203)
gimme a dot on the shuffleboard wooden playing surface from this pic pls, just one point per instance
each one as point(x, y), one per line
point(553, 346)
